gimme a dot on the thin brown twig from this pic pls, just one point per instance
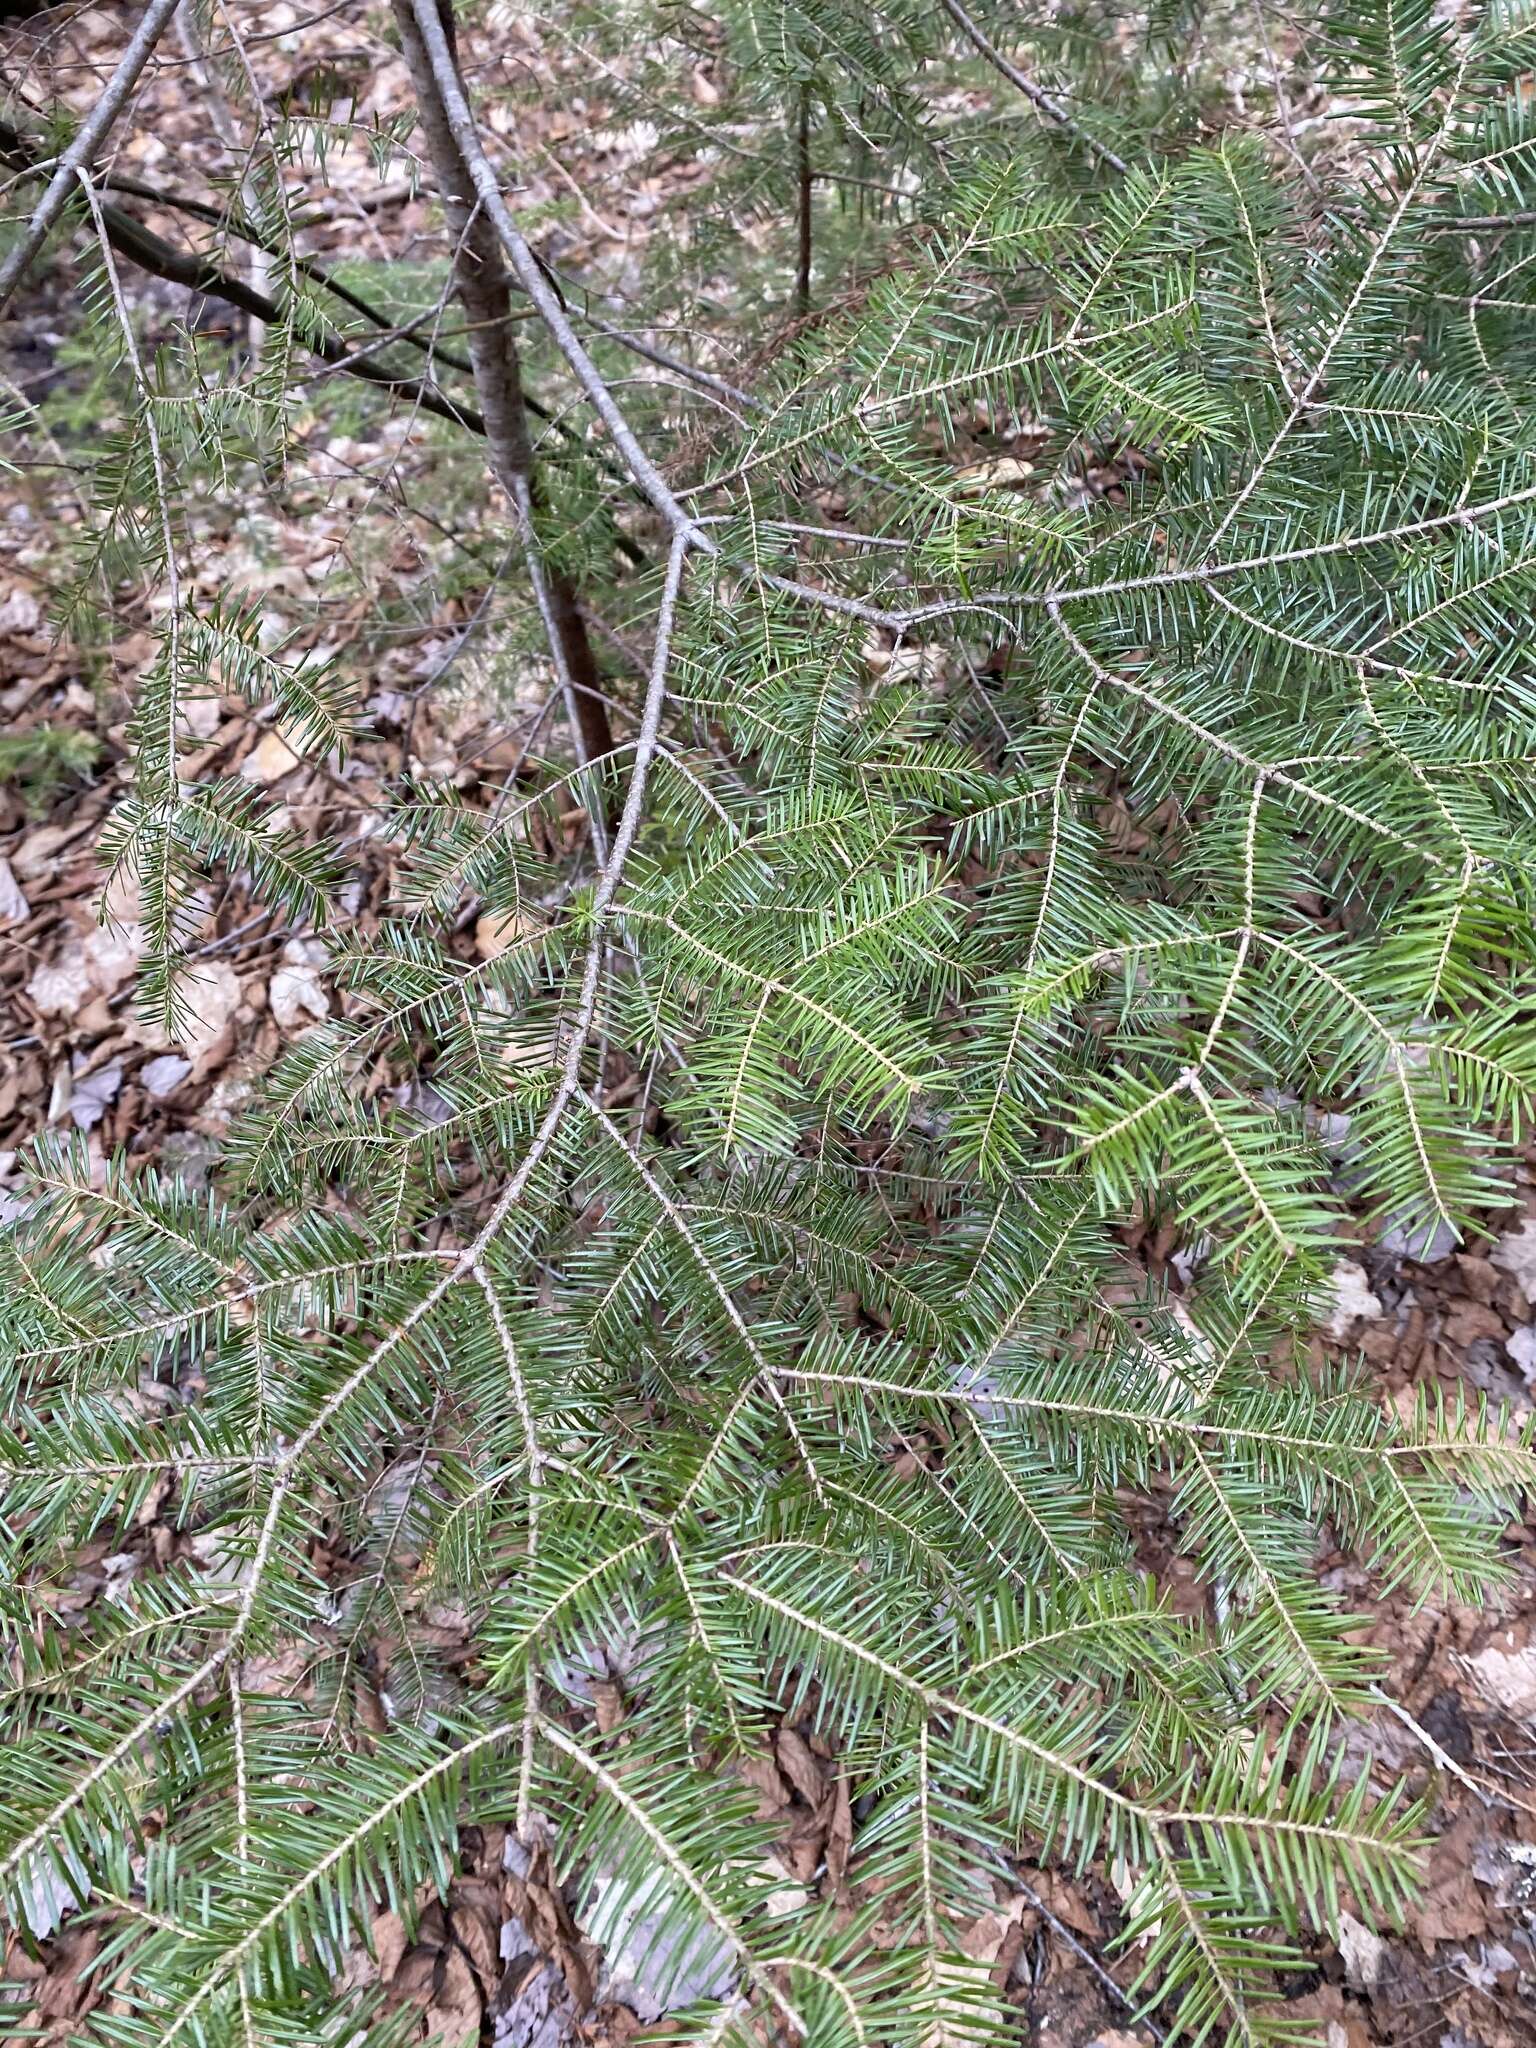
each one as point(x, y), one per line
point(531, 276)
point(806, 182)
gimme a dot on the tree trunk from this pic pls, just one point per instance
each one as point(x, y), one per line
point(480, 282)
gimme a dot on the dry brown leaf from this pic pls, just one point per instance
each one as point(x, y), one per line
point(212, 997)
point(840, 1835)
point(1451, 1908)
point(999, 473)
point(295, 995)
point(476, 1927)
point(799, 1766)
point(390, 1943)
point(37, 852)
point(1363, 1952)
point(60, 987)
point(497, 931)
point(762, 1774)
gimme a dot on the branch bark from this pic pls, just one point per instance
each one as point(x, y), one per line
point(258, 264)
point(90, 136)
point(480, 282)
point(530, 274)
point(152, 253)
point(1037, 96)
point(806, 185)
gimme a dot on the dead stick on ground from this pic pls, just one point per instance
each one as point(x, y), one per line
point(1441, 1758)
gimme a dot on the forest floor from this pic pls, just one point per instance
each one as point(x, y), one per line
point(502, 1954)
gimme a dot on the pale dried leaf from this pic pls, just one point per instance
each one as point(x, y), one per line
point(1352, 1299)
point(1508, 1675)
point(295, 995)
point(269, 760)
point(94, 1094)
point(14, 908)
point(161, 1077)
point(1516, 1255)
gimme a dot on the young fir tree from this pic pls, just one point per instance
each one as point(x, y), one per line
point(975, 855)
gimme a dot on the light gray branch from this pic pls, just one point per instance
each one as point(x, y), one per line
point(526, 269)
point(82, 152)
point(1035, 94)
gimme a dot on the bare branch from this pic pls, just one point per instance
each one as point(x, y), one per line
point(480, 282)
point(1037, 96)
point(533, 281)
point(81, 153)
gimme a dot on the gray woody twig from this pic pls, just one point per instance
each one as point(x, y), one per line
point(81, 153)
point(1035, 94)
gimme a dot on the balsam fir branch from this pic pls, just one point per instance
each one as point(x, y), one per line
point(973, 856)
